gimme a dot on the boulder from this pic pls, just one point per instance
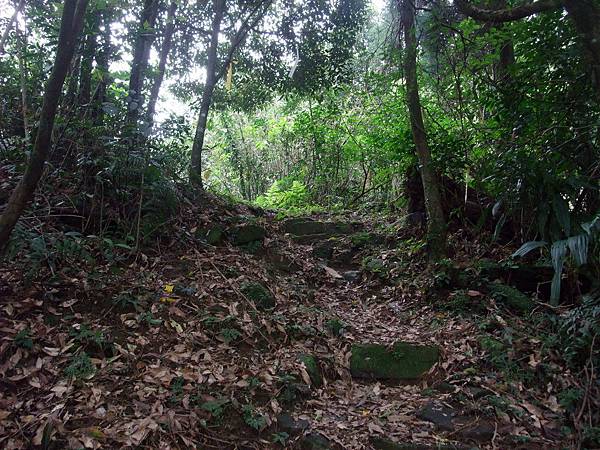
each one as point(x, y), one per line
point(387, 444)
point(247, 233)
point(307, 226)
point(287, 423)
point(352, 275)
point(512, 297)
point(440, 415)
point(403, 362)
point(315, 441)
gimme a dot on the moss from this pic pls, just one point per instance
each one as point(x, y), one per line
point(403, 362)
point(303, 227)
point(312, 368)
point(511, 297)
point(259, 294)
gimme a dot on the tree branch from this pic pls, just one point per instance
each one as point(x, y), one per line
point(509, 14)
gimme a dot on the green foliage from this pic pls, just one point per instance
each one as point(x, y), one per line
point(84, 336)
point(80, 366)
point(280, 437)
point(24, 339)
point(253, 419)
point(216, 408)
point(579, 328)
point(149, 319)
point(229, 335)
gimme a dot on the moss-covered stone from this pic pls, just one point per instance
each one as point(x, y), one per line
point(364, 238)
point(375, 265)
point(312, 368)
point(402, 362)
point(511, 297)
point(304, 227)
point(259, 294)
point(323, 250)
point(247, 233)
point(315, 441)
point(386, 444)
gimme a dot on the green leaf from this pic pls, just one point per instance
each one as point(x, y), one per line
point(558, 253)
point(527, 247)
point(578, 245)
point(561, 210)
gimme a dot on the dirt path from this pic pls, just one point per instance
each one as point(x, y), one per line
point(242, 346)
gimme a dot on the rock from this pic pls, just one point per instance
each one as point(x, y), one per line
point(403, 362)
point(308, 239)
point(352, 275)
point(312, 368)
point(282, 263)
point(386, 444)
point(210, 234)
point(305, 226)
point(364, 238)
point(259, 294)
point(287, 423)
point(481, 431)
point(323, 250)
point(247, 233)
point(439, 414)
point(315, 441)
point(512, 297)
point(214, 235)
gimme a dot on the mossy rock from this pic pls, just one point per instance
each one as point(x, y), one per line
point(305, 226)
point(247, 233)
point(403, 362)
point(259, 294)
point(365, 238)
point(387, 444)
point(212, 235)
point(512, 297)
point(312, 368)
point(315, 441)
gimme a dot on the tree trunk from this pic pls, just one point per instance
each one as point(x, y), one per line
point(139, 64)
point(70, 28)
point(585, 15)
point(211, 81)
point(436, 224)
point(160, 75)
point(87, 59)
point(102, 64)
point(10, 24)
point(23, 80)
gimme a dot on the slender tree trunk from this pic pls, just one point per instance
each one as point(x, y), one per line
point(87, 59)
point(160, 74)
point(139, 64)
point(10, 24)
point(70, 28)
point(211, 81)
point(23, 79)
point(102, 64)
point(436, 224)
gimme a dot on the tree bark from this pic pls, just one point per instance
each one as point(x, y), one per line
point(436, 224)
point(23, 80)
point(139, 64)
point(70, 28)
point(102, 63)
point(585, 15)
point(160, 74)
point(10, 24)
point(211, 81)
point(87, 59)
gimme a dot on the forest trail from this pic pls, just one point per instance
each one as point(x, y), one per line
point(264, 336)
